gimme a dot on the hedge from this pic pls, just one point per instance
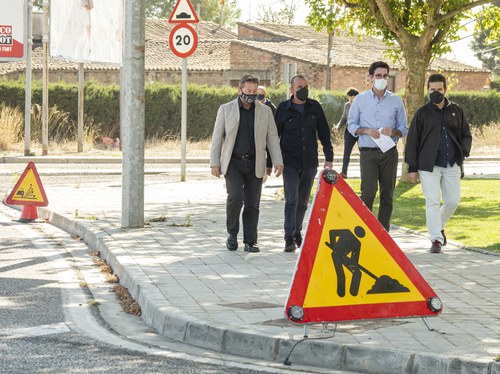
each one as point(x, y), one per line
point(163, 105)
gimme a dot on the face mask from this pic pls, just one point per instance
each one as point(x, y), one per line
point(380, 84)
point(260, 97)
point(302, 94)
point(250, 99)
point(436, 97)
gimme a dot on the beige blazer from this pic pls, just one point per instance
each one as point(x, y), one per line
point(226, 129)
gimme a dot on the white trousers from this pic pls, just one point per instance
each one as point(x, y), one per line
point(445, 183)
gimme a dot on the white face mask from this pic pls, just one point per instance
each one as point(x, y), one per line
point(380, 84)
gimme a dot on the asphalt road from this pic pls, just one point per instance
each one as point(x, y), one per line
point(49, 325)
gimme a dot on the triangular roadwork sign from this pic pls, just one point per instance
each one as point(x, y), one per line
point(28, 189)
point(183, 13)
point(350, 268)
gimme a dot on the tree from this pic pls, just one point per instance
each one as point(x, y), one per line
point(416, 31)
point(284, 15)
point(486, 43)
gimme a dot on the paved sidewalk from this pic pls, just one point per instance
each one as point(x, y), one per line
point(191, 288)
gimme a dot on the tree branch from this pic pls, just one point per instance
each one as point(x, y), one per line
point(394, 26)
point(462, 9)
point(350, 5)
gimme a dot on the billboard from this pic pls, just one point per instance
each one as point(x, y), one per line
point(86, 30)
point(13, 30)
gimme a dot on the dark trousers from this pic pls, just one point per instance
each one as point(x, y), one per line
point(379, 168)
point(349, 142)
point(297, 184)
point(243, 189)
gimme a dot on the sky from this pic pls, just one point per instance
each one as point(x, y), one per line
point(250, 10)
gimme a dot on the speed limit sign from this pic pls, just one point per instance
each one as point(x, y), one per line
point(183, 40)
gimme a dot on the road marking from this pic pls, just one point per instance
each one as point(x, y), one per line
point(26, 332)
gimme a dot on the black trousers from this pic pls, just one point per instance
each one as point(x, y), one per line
point(243, 190)
point(349, 142)
point(379, 168)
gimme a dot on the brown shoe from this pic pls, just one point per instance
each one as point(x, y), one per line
point(435, 247)
point(343, 175)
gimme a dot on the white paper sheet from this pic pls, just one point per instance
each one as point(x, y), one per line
point(384, 142)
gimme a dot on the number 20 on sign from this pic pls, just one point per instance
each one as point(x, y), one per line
point(183, 40)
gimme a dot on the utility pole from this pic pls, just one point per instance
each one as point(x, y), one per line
point(132, 122)
point(329, 61)
point(329, 57)
point(81, 101)
point(45, 80)
point(221, 23)
point(27, 92)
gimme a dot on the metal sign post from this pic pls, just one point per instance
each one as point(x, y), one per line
point(183, 41)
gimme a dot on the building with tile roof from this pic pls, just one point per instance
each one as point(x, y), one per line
point(262, 49)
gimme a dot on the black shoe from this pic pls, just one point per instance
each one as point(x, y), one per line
point(444, 238)
point(290, 245)
point(298, 239)
point(435, 247)
point(251, 248)
point(232, 243)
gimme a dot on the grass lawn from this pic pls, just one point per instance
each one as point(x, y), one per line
point(475, 222)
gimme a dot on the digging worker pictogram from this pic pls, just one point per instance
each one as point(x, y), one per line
point(342, 243)
point(346, 248)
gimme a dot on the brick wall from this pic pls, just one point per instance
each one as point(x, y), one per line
point(248, 33)
point(215, 78)
point(269, 68)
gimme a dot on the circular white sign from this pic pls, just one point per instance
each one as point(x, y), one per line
point(183, 40)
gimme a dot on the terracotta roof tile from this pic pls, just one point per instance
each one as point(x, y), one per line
point(307, 44)
point(213, 52)
point(159, 29)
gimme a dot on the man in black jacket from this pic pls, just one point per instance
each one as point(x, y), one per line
point(438, 141)
point(300, 121)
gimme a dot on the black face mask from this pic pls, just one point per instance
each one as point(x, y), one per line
point(250, 99)
point(436, 97)
point(302, 94)
point(260, 97)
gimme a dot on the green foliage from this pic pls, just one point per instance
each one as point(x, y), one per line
point(163, 107)
point(495, 83)
point(474, 223)
point(397, 22)
point(486, 41)
point(284, 15)
point(415, 31)
point(480, 108)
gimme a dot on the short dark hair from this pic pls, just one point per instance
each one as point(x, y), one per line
point(378, 64)
point(248, 78)
point(296, 77)
point(436, 78)
point(352, 92)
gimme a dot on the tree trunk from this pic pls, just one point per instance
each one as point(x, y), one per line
point(416, 64)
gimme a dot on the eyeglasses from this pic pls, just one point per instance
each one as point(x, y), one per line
point(380, 76)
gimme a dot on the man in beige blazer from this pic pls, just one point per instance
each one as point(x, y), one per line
point(243, 129)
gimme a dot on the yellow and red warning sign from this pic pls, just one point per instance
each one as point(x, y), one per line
point(350, 268)
point(28, 189)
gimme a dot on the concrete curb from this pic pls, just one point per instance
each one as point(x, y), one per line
point(175, 324)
